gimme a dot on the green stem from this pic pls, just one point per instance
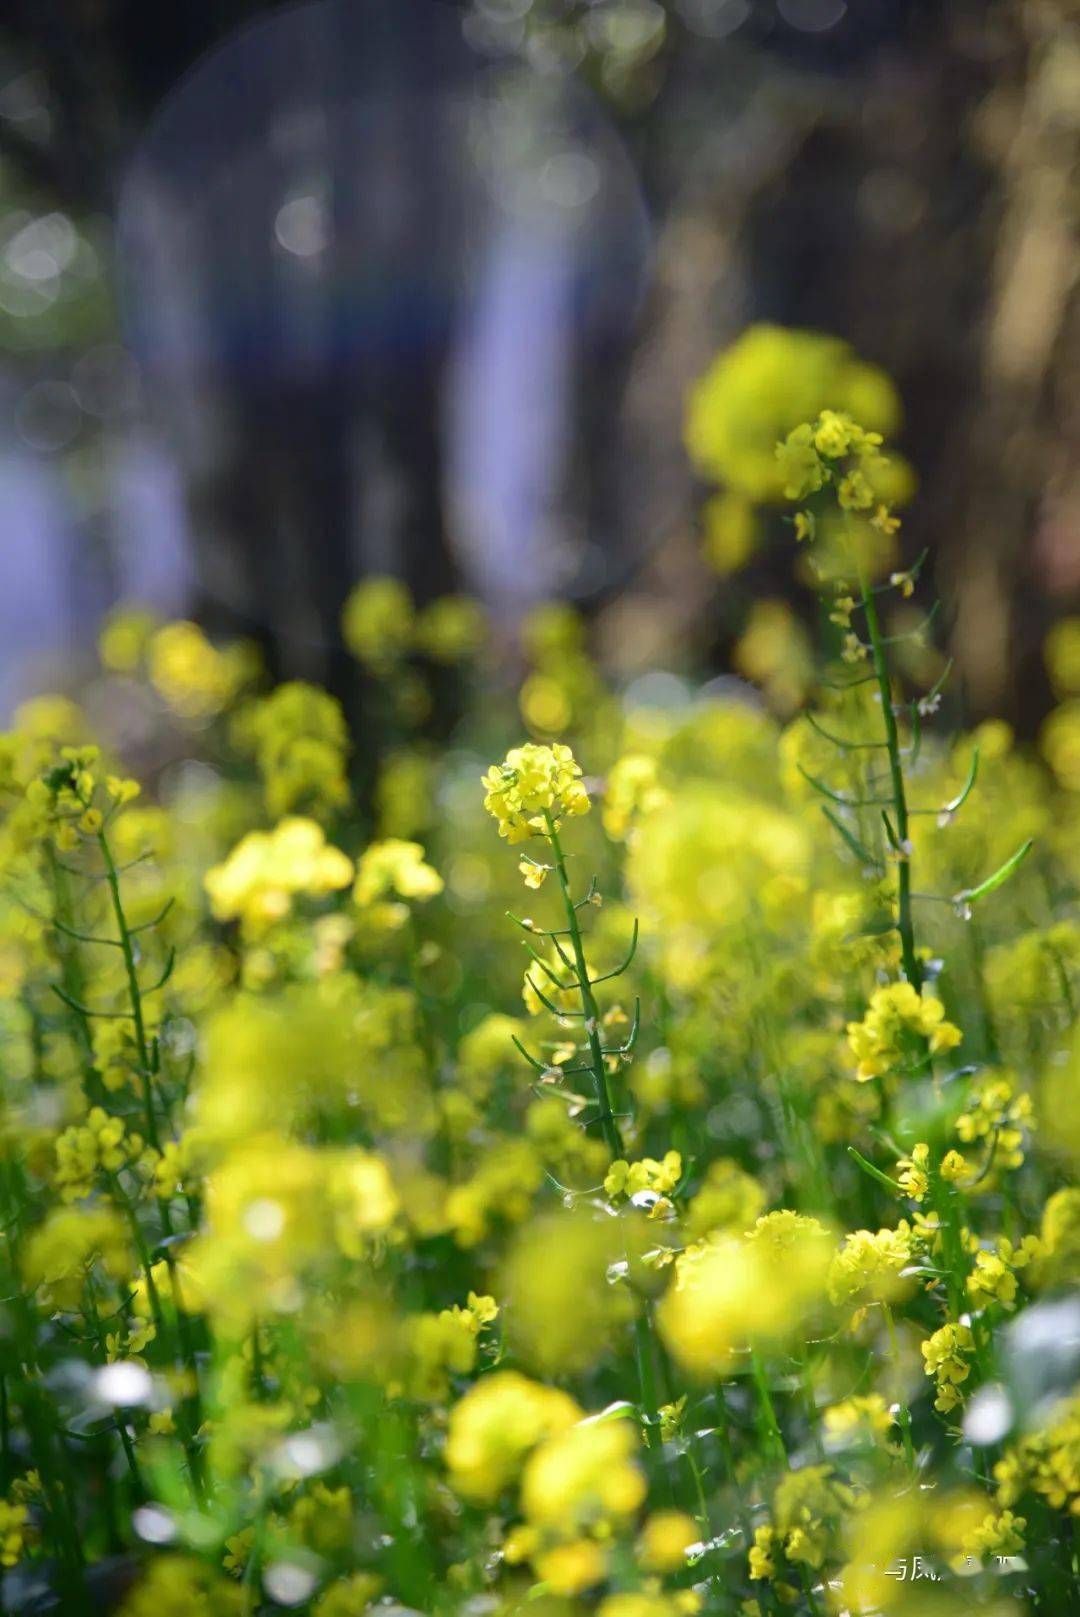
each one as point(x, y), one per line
point(643, 1344)
point(650, 1403)
point(157, 1314)
point(5, 1432)
point(767, 1411)
point(252, 1578)
point(608, 1126)
point(976, 954)
point(134, 992)
point(697, 1504)
point(54, 1469)
point(943, 1201)
point(258, 1385)
point(93, 1322)
point(183, 1331)
point(699, 1492)
point(723, 1434)
point(775, 1439)
point(39, 1418)
point(70, 972)
point(896, 773)
point(811, 1406)
point(905, 1412)
point(1063, 982)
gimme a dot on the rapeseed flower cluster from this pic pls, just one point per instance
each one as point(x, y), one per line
point(267, 869)
point(1044, 1464)
point(299, 740)
point(899, 1023)
point(947, 1355)
point(532, 785)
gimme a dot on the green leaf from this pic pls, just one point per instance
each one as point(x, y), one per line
point(851, 841)
point(620, 1410)
point(962, 796)
point(876, 927)
point(968, 895)
point(875, 1173)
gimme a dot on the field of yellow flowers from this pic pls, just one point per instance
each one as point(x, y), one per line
point(626, 1171)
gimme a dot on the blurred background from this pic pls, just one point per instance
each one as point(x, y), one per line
point(292, 296)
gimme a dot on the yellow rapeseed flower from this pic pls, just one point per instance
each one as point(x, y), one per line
point(267, 869)
point(496, 1425)
point(534, 781)
point(897, 1020)
point(394, 866)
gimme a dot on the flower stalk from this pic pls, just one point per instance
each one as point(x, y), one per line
point(905, 923)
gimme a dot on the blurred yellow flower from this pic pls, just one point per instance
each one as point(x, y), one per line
point(889, 1035)
point(196, 679)
point(267, 869)
point(732, 1293)
point(495, 1426)
point(378, 621)
point(755, 392)
point(394, 866)
point(452, 629)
